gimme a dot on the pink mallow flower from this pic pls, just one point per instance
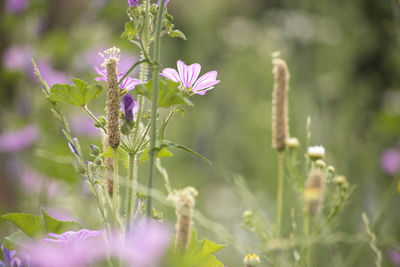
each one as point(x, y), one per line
point(187, 76)
point(128, 83)
point(71, 248)
point(143, 246)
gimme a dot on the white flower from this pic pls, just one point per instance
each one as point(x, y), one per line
point(292, 142)
point(111, 54)
point(316, 152)
point(251, 260)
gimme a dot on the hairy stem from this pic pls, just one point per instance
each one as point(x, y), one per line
point(115, 190)
point(131, 190)
point(154, 105)
point(279, 197)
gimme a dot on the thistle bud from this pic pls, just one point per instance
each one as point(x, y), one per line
point(341, 181)
point(320, 164)
point(331, 169)
point(248, 218)
point(292, 142)
point(314, 192)
point(251, 260)
point(185, 201)
point(280, 124)
point(316, 152)
point(111, 57)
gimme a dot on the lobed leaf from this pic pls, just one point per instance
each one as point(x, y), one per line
point(168, 94)
point(200, 252)
point(79, 94)
point(30, 224)
point(162, 153)
point(53, 225)
point(16, 241)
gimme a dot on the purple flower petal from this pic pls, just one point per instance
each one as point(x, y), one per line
point(165, 2)
point(171, 74)
point(130, 83)
point(144, 246)
point(69, 249)
point(132, 3)
point(205, 82)
point(188, 74)
point(14, 141)
point(102, 73)
point(129, 106)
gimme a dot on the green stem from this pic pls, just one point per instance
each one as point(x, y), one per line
point(279, 197)
point(142, 61)
point(115, 190)
point(154, 105)
point(131, 190)
point(91, 115)
point(306, 232)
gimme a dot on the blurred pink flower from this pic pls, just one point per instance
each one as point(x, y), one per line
point(83, 125)
point(390, 161)
point(16, 6)
point(128, 83)
point(187, 77)
point(144, 247)
point(17, 58)
point(35, 183)
point(76, 249)
point(394, 256)
point(14, 141)
point(51, 75)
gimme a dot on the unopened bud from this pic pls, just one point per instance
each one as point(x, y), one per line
point(320, 164)
point(330, 169)
point(292, 142)
point(94, 151)
point(316, 152)
point(141, 195)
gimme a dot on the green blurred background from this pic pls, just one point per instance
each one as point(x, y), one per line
point(344, 61)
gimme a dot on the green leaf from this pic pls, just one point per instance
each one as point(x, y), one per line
point(186, 149)
point(162, 153)
point(168, 94)
point(130, 31)
point(16, 241)
point(122, 155)
point(177, 33)
point(30, 224)
point(58, 227)
point(200, 252)
point(78, 94)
